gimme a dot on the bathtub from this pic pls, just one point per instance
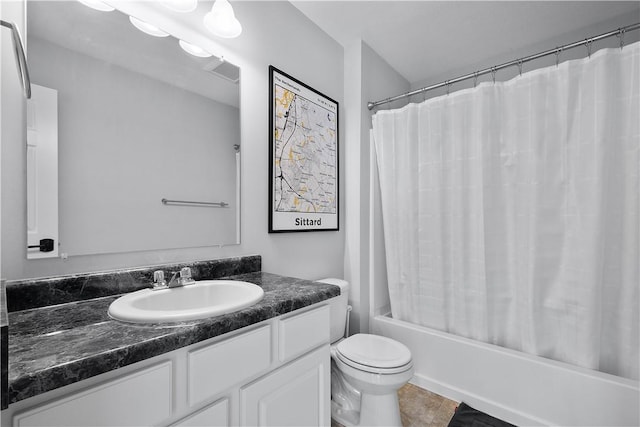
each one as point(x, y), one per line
point(516, 387)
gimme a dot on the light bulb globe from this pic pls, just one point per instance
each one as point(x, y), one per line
point(193, 49)
point(147, 28)
point(221, 20)
point(181, 6)
point(97, 5)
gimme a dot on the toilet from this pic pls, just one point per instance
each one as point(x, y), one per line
point(366, 370)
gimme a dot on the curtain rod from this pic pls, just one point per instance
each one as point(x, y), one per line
point(587, 42)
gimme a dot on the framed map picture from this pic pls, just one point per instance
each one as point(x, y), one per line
point(303, 156)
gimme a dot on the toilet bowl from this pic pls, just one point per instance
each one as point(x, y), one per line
point(366, 371)
point(376, 367)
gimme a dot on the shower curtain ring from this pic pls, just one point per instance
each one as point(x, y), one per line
point(493, 74)
point(587, 43)
point(620, 35)
point(475, 79)
point(448, 86)
point(520, 67)
point(558, 52)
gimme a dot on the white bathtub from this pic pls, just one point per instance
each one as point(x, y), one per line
point(516, 387)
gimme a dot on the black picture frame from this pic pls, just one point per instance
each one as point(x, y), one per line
point(303, 157)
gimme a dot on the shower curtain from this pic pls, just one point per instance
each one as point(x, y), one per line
point(511, 211)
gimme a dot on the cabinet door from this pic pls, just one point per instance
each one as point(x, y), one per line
point(298, 394)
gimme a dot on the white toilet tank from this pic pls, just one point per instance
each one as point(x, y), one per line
point(338, 308)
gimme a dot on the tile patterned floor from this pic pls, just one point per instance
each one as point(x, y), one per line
point(422, 408)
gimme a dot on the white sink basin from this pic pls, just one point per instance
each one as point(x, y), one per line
point(205, 298)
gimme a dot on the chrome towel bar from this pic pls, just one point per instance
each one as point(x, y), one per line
point(191, 203)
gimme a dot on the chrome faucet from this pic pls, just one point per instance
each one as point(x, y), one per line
point(182, 280)
point(179, 278)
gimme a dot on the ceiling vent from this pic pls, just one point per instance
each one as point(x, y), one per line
point(224, 69)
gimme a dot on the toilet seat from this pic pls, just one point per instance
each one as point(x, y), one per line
point(374, 353)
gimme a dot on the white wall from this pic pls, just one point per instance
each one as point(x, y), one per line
point(3, 61)
point(367, 77)
point(274, 33)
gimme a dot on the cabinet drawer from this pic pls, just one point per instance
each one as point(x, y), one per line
point(216, 368)
point(303, 332)
point(141, 398)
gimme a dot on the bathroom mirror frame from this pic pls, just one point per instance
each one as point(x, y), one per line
point(101, 211)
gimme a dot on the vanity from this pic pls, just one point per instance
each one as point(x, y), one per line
point(267, 364)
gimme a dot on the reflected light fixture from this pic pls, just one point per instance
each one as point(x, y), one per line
point(182, 6)
point(193, 49)
point(147, 28)
point(221, 21)
point(97, 5)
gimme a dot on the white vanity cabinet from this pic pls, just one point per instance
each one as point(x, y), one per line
point(276, 372)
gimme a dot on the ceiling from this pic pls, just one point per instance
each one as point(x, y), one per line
point(424, 39)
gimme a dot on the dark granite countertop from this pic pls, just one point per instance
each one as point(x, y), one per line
point(53, 346)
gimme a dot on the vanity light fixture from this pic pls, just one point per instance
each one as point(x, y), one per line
point(194, 50)
point(97, 5)
point(147, 28)
point(182, 6)
point(221, 21)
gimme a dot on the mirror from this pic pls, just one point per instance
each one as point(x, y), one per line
point(138, 120)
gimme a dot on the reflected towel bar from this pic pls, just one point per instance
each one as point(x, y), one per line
point(190, 203)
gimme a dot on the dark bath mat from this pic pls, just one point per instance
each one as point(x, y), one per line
point(466, 416)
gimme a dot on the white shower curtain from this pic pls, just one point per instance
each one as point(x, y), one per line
point(511, 211)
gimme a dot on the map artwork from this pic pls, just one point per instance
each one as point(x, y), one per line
point(304, 156)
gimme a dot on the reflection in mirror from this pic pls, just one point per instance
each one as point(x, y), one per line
point(42, 173)
point(138, 120)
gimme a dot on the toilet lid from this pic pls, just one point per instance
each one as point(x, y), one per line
point(374, 350)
